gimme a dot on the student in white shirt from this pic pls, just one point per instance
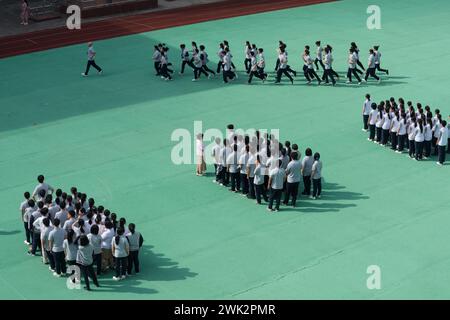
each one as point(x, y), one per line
point(378, 60)
point(107, 237)
point(253, 70)
point(395, 124)
point(157, 60)
point(436, 132)
point(56, 241)
point(24, 205)
point(411, 137)
point(385, 128)
point(259, 174)
point(328, 71)
point(352, 60)
point(379, 123)
point(366, 109)
point(316, 175)
point(250, 170)
point(120, 250)
point(70, 247)
point(200, 148)
point(185, 59)
point(228, 74)
point(47, 228)
point(70, 221)
point(277, 177)
point(293, 172)
point(96, 241)
point(42, 186)
point(282, 68)
point(247, 52)
point(261, 64)
point(428, 136)
point(232, 168)
point(306, 170)
point(135, 240)
point(401, 133)
point(215, 153)
point(205, 60)
point(309, 69)
point(418, 139)
point(442, 142)
point(319, 52)
point(372, 121)
point(242, 164)
point(224, 153)
point(371, 67)
point(220, 54)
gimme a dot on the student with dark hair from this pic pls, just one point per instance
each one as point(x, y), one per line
point(316, 175)
point(96, 241)
point(378, 60)
point(366, 109)
point(411, 137)
point(135, 240)
point(120, 250)
point(46, 228)
point(85, 260)
point(306, 170)
point(70, 246)
point(282, 68)
point(70, 221)
point(242, 165)
point(204, 59)
point(157, 60)
point(215, 153)
point(372, 121)
point(223, 169)
point(228, 73)
point(442, 142)
point(328, 71)
point(254, 71)
point(114, 221)
point(24, 205)
point(56, 242)
point(220, 54)
point(401, 133)
point(35, 229)
point(352, 61)
point(276, 182)
point(395, 125)
point(79, 227)
point(418, 139)
point(259, 175)
point(107, 237)
point(428, 135)
point(185, 60)
point(379, 123)
point(318, 59)
point(250, 171)
point(293, 172)
point(308, 69)
point(385, 128)
point(48, 189)
point(232, 168)
point(356, 55)
point(371, 67)
point(247, 52)
point(436, 131)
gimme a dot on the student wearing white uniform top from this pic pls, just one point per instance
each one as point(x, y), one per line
point(282, 68)
point(411, 137)
point(70, 246)
point(401, 133)
point(307, 163)
point(310, 73)
point(232, 167)
point(352, 60)
point(47, 228)
point(205, 60)
point(395, 124)
point(224, 174)
point(35, 228)
point(418, 139)
point(319, 51)
point(91, 54)
point(317, 176)
point(261, 63)
point(327, 60)
point(378, 60)
point(120, 250)
point(436, 132)
point(85, 260)
point(372, 121)
point(259, 174)
point(385, 128)
point(24, 205)
point(215, 153)
point(366, 109)
point(185, 59)
point(96, 241)
point(56, 240)
point(42, 186)
point(135, 240)
point(442, 142)
point(293, 172)
point(356, 54)
point(200, 149)
point(156, 57)
point(379, 123)
point(428, 137)
point(107, 237)
point(253, 71)
point(220, 54)
point(371, 67)
point(228, 74)
point(243, 160)
point(198, 66)
point(250, 170)
point(247, 50)
point(275, 184)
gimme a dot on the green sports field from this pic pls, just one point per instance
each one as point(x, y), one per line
point(110, 136)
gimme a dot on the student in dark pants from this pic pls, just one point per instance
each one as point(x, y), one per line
point(251, 165)
point(243, 161)
point(96, 240)
point(120, 251)
point(307, 163)
point(260, 173)
point(233, 170)
point(317, 176)
point(91, 60)
point(293, 172)
point(282, 68)
point(248, 49)
point(85, 261)
point(36, 231)
point(371, 121)
point(442, 142)
point(428, 137)
point(135, 240)
point(45, 243)
point(411, 136)
point(25, 218)
point(56, 242)
point(401, 133)
point(418, 139)
point(275, 184)
point(371, 67)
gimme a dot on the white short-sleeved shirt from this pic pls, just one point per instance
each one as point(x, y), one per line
point(373, 117)
point(367, 107)
point(293, 171)
point(277, 175)
point(317, 168)
point(443, 138)
point(419, 136)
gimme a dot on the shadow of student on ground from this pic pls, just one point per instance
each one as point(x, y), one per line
point(154, 267)
point(331, 193)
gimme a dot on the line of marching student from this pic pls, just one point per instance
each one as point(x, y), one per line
point(254, 63)
point(69, 229)
point(260, 167)
point(401, 126)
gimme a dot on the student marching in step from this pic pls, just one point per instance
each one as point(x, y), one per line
point(356, 55)
point(164, 62)
point(378, 60)
point(254, 69)
point(371, 67)
point(136, 241)
point(220, 54)
point(227, 45)
point(198, 65)
point(366, 110)
point(308, 68)
point(120, 250)
point(185, 59)
point(293, 172)
point(282, 68)
point(319, 54)
point(261, 64)
point(327, 60)
point(442, 142)
point(205, 60)
point(352, 60)
point(372, 121)
point(306, 171)
point(275, 184)
point(228, 74)
point(316, 175)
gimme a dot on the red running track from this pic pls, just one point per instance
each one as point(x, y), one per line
point(115, 27)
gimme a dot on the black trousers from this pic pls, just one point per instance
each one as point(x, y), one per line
point(277, 64)
point(289, 69)
point(372, 132)
point(157, 68)
point(36, 242)
point(448, 145)
point(60, 263)
point(260, 191)
point(254, 74)
point(98, 262)
point(247, 64)
point(433, 142)
point(275, 195)
point(412, 148)
point(244, 182)
point(206, 69)
point(235, 181)
point(228, 74)
point(384, 136)
point(51, 258)
point(401, 142)
point(371, 72)
point(441, 154)
point(165, 71)
point(377, 66)
point(92, 63)
point(321, 64)
point(317, 187)
point(251, 188)
point(121, 266)
point(419, 150)
point(306, 73)
point(365, 121)
point(427, 148)
point(360, 65)
point(219, 66)
point(351, 71)
point(27, 232)
point(88, 271)
point(394, 140)
point(133, 260)
point(307, 185)
point(328, 73)
point(280, 72)
point(184, 63)
point(312, 74)
point(262, 73)
point(291, 191)
point(224, 176)
point(198, 72)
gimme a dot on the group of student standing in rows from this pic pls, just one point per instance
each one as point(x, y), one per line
point(404, 127)
point(254, 63)
point(260, 167)
point(69, 229)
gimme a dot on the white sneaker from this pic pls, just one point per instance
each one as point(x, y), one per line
point(56, 275)
point(122, 277)
point(52, 270)
point(193, 80)
point(364, 80)
point(440, 164)
point(84, 74)
point(116, 278)
point(359, 83)
point(236, 75)
point(348, 81)
point(100, 72)
point(26, 242)
point(379, 81)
